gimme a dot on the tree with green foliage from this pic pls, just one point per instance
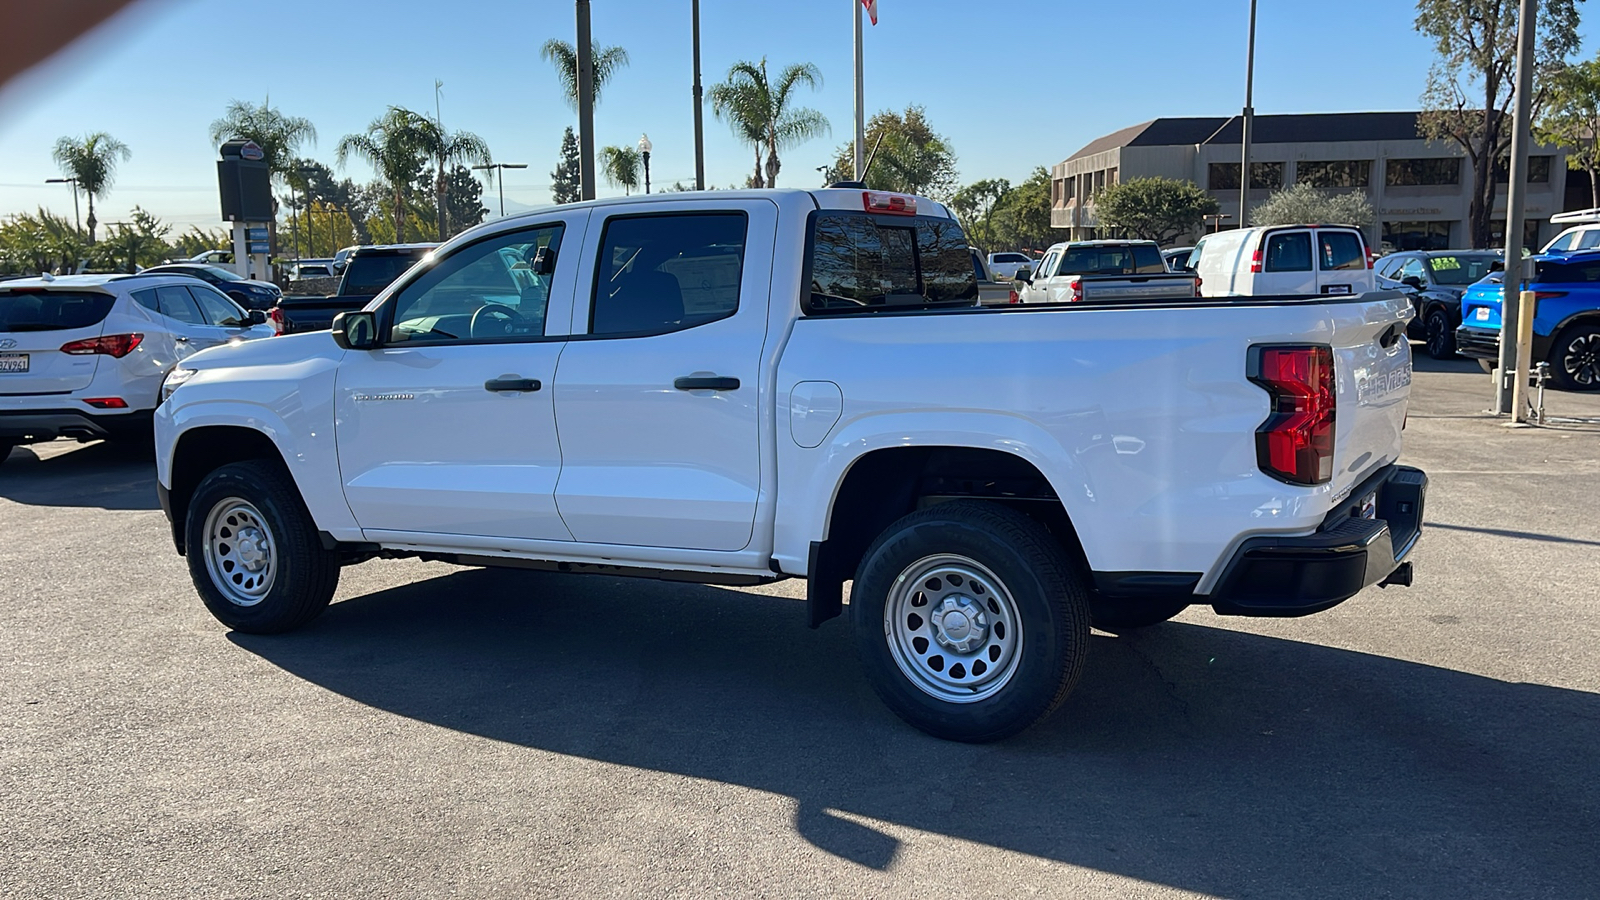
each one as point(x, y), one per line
point(911, 158)
point(1572, 120)
point(41, 242)
point(450, 148)
point(1022, 216)
point(1154, 209)
point(1467, 101)
point(197, 240)
point(133, 245)
point(91, 160)
point(620, 166)
point(605, 62)
point(761, 111)
point(279, 136)
point(463, 198)
point(566, 181)
point(1303, 203)
point(396, 145)
point(975, 204)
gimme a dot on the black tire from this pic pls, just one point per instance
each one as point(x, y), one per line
point(1575, 358)
point(302, 576)
point(1440, 337)
point(1035, 587)
point(1130, 614)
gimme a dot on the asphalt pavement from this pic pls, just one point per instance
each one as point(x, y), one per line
point(444, 731)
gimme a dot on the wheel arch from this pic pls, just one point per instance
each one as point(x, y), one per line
point(202, 450)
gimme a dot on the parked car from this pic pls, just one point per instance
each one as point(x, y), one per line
point(83, 356)
point(1584, 233)
point(1177, 258)
point(209, 258)
point(1004, 266)
point(1105, 271)
point(367, 271)
point(1566, 321)
point(991, 292)
point(246, 292)
point(310, 268)
point(794, 383)
point(340, 257)
point(1435, 280)
point(1283, 259)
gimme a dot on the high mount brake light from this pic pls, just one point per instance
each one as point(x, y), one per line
point(115, 346)
point(892, 204)
point(1295, 444)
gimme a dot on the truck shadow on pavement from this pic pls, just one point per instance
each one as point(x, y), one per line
point(99, 475)
point(1206, 759)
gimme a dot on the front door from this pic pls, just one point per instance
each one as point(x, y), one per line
point(657, 403)
point(449, 426)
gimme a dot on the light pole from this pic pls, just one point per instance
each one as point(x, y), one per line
point(585, 53)
point(644, 153)
point(74, 182)
point(500, 176)
point(699, 129)
point(311, 226)
point(1249, 121)
point(1216, 220)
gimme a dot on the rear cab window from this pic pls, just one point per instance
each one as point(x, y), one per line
point(43, 310)
point(862, 262)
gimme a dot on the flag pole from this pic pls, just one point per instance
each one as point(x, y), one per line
point(861, 122)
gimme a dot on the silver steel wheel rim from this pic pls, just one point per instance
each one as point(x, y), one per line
point(1582, 359)
point(240, 551)
point(953, 629)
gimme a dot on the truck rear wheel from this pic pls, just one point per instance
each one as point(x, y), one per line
point(253, 550)
point(970, 620)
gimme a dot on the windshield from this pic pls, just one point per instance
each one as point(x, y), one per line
point(221, 273)
point(1460, 270)
point(371, 274)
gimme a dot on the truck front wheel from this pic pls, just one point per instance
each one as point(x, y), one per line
point(970, 620)
point(253, 550)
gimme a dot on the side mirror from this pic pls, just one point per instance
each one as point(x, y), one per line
point(1412, 282)
point(1024, 275)
point(256, 317)
point(339, 264)
point(356, 330)
point(544, 262)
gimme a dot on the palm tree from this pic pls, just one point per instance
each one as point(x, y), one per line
point(280, 138)
point(447, 147)
point(620, 166)
point(91, 160)
point(758, 110)
point(606, 61)
point(395, 144)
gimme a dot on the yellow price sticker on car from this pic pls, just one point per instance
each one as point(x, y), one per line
point(1446, 262)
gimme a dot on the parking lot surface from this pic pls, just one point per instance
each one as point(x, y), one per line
point(443, 731)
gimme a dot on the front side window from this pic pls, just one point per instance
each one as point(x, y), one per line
point(1413, 269)
point(669, 272)
point(1339, 250)
point(1288, 252)
point(490, 291)
point(217, 309)
point(862, 262)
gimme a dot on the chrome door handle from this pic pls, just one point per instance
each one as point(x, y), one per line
point(706, 383)
point(516, 385)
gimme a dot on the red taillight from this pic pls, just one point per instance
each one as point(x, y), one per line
point(275, 316)
point(1075, 290)
point(113, 345)
point(107, 402)
point(1295, 444)
point(893, 204)
point(1370, 260)
point(1255, 262)
point(1015, 298)
point(1548, 295)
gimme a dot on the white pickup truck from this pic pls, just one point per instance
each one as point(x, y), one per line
point(743, 386)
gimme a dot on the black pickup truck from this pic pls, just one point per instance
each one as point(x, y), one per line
point(367, 271)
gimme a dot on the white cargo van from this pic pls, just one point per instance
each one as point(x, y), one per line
point(1283, 259)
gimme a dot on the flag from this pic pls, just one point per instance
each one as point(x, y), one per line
point(872, 10)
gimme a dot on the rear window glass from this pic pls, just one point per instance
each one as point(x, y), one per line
point(1340, 250)
point(861, 262)
point(1289, 252)
point(52, 310)
point(371, 274)
point(1567, 273)
point(1138, 259)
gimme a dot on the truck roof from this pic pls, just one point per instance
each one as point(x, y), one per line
point(820, 198)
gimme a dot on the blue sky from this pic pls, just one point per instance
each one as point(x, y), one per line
point(1012, 85)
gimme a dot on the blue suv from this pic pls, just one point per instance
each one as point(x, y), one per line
point(1566, 321)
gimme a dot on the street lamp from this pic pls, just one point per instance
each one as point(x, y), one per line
point(644, 151)
point(311, 232)
point(1216, 220)
point(501, 176)
point(74, 182)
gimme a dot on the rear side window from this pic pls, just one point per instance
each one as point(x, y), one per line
point(52, 310)
point(862, 262)
point(1340, 250)
point(1288, 252)
point(669, 272)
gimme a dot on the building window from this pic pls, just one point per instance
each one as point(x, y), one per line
point(1446, 170)
point(1099, 182)
point(1263, 176)
point(1337, 173)
point(1530, 233)
point(1417, 235)
point(1538, 170)
point(1111, 175)
point(1068, 188)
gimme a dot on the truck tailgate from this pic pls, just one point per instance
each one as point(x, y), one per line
point(1139, 288)
point(1372, 368)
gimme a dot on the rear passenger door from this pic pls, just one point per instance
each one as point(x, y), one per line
point(1342, 262)
point(1286, 264)
point(657, 391)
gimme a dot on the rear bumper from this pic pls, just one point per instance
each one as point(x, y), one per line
point(1478, 343)
point(1297, 576)
point(30, 426)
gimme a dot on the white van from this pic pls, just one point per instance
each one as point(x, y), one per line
point(1283, 259)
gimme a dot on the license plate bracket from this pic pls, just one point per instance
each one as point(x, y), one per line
point(13, 363)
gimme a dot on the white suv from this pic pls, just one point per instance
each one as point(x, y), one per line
point(84, 356)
